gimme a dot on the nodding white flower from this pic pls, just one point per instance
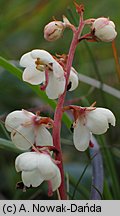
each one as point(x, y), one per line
point(54, 30)
point(73, 80)
point(28, 129)
point(89, 120)
point(36, 63)
point(104, 29)
point(36, 168)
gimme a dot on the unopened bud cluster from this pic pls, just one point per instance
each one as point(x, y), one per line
point(102, 29)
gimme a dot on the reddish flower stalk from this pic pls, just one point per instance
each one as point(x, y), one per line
point(58, 111)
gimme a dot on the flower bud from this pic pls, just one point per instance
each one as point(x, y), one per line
point(104, 29)
point(54, 30)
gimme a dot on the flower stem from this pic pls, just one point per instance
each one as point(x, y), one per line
point(58, 111)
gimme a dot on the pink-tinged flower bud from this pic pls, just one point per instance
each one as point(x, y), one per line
point(104, 29)
point(54, 30)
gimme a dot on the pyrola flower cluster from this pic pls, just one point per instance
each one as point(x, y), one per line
point(89, 120)
point(29, 130)
point(41, 67)
point(36, 168)
point(55, 75)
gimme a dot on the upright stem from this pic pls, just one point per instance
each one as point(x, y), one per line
point(58, 111)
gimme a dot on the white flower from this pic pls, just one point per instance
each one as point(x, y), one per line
point(36, 62)
point(73, 79)
point(28, 129)
point(104, 29)
point(36, 168)
point(90, 120)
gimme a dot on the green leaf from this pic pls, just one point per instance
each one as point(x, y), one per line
point(4, 130)
point(8, 145)
point(110, 166)
point(78, 182)
point(107, 193)
point(80, 188)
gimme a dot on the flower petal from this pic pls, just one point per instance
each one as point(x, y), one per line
point(28, 114)
point(44, 56)
point(112, 24)
point(106, 34)
point(109, 115)
point(33, 76)
point(23, 137)
point(27, 161)
point(73, 79)
point(56, 181)
point(46, 167)
point(16, 118)
point(55, 87)
point(97, 122)
point(26, 60)
point(81, 136)
point(32, 178)
point(43, 137)
point(57, 70)
point(100, 22)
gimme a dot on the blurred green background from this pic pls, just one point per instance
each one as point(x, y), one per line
point(21, 30)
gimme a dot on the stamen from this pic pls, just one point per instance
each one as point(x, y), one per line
point(38, 62)
point(39, 65)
